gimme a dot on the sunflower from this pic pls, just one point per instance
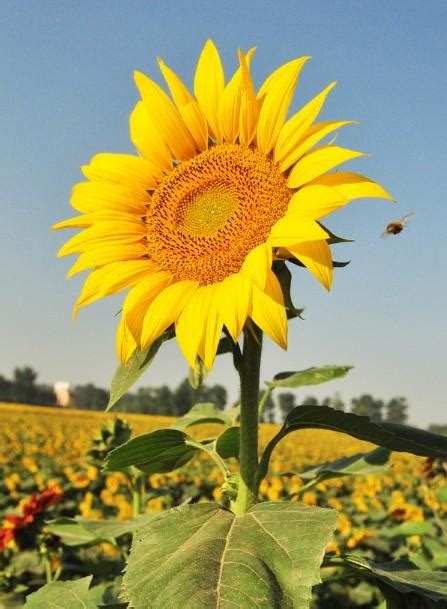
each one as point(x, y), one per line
point(222, 185)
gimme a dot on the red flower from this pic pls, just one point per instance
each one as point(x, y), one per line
point(35, 504)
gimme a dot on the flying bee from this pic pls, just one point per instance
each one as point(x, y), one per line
point(397, 226)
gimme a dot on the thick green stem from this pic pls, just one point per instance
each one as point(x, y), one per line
point(249, 370)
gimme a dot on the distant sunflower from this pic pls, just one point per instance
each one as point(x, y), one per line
point(193, 224)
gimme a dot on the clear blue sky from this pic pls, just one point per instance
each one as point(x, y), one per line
point(66, 93)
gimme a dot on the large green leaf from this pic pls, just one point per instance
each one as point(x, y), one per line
point(372, 462)
point(393, 436)
point(203, 557)
point(310, 376)
point(402, 586)
point(126, 376)
point(73, 594)
point(400, 438)
point(205, 412)
point(159, 451)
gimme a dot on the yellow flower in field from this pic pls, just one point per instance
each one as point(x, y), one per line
point(224, 184)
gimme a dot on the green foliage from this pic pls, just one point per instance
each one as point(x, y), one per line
point(163, 450)
point(310, 376)
point(202, 413)
point(227, 443)
point(111, 435)
point(22, 389)
point(362, 463)
point(202, 556)
point(403, 586)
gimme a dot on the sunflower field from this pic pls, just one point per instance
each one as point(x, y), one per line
point(397, 511)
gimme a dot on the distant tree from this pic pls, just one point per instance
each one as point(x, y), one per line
point(217, 394)
point(89, 397)
point(337, 403)
point(286, 403)
point(440, 428)
point(366, 405)
point(23, 387)
point(326, 402)
point(396, 410)
point(184, 398)
point(268, 412)
point(5, 389)
point(166, 402)
point(310, 400)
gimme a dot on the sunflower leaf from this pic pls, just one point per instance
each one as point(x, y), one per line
point(227, 444)
point(403, 586)
point(310, 376)
point(371, 462)
point(160, 451)
point(203, 557)
point(73, 594)
point(126, 376)
point(204, 412)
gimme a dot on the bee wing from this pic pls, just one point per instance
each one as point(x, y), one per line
point(407, 218)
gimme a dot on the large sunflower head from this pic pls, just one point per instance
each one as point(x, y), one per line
point(222, 185)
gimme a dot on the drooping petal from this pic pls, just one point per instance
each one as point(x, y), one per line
point(165, 309)
point(273, 288)
point(250, 106)
point(125, 343)
point(213, 329)
point(295, 229)
point(166, 117)
point(107, 253)
point(293, 130)
point(147, 139)
point(276, 94)
point(122, 169)
point(270, 316)
point(189, 327)
point(88, 197)
point(257, 264)
point(102, 233)
point(316, 257)
point(319, 161)
point(234, 303)
point(140, 297)
point(310, 138)
point(111, 279)
point(188, 107)
point(209, 82)
point(353, 185)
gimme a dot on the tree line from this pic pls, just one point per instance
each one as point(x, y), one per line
point(163, 400)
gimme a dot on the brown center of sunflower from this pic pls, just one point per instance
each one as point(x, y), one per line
point(211, 211)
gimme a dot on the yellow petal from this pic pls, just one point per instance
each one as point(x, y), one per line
point(293, 229)
point(319, 161)
point(249, 112)
point(103, 233)
point(111, 279)
point(140, 297)
point(89, 197)
point(187, 106)
point(189, 327)
point(230, 106)
point(315, 201)
point(209, 84)
point(122, 169)
point(316, 257)
point(147, 139)
point(234, 303)
point(270, 316)
point(293, 130)
point(276, 94)
point(165, 309)
point(166, 117)
point(93, 218)
point(125, 343)
point(310, 138)
point(353, 185)
point(258, 263)
point(213, 329)
point(273, 288)
point(105, 254)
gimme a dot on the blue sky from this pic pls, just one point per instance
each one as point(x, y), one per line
point(66, 93)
